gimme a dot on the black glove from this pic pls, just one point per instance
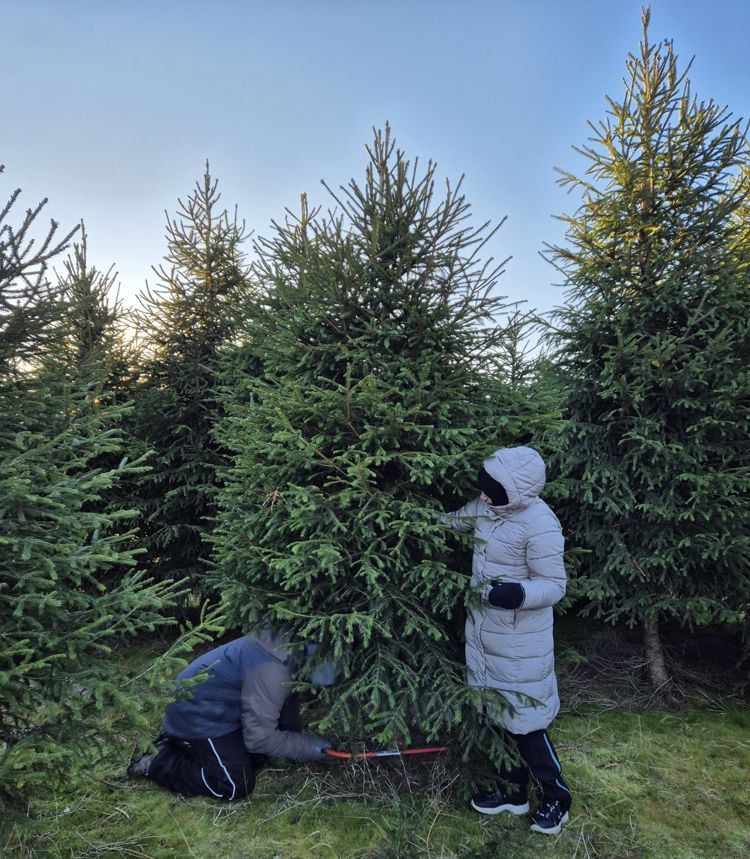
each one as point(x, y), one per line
point(506, 594)
point(320, 746)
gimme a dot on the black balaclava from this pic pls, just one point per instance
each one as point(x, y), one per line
point(494, 490)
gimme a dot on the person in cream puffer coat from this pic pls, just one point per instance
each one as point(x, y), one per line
point(519, 574)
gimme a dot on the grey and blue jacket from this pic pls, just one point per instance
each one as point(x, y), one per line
point(512, 650)
point(248, 680)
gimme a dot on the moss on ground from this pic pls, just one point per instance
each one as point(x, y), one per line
point(646, 786)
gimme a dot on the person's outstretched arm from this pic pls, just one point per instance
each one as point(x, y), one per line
point(464, 518)
point(264, 691)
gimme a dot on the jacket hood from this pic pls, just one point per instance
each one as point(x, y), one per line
point(274, 641)
point(522, 473)
point(278, 642)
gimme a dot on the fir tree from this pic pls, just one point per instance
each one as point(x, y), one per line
point(97, 349)
point(187, 321)
point(377, 327)
point(741, 219)
point(96, 358)
point(654, 343)
point(58, 622)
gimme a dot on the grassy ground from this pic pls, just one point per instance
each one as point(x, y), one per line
point(646, 785)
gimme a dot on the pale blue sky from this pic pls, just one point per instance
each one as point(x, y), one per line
point(110, 107)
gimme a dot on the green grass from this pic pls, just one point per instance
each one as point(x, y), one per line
point(646, 786)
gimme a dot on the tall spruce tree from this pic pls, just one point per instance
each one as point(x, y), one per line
point(96, 347)
point(58, 622)
point(188, 320)
point(96, 357)
point(742, 220)
point(654, 343)
point(378, 331)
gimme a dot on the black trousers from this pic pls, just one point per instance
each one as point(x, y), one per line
point(539, 761)
point(220, 767)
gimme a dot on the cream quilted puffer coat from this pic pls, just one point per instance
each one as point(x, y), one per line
point(512, 651)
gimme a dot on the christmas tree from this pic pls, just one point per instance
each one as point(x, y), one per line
point(377, 327)
point(97, 349)
point(187, 322)
point(59, 621)
point(654, 345)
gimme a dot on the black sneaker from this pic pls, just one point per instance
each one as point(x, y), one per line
point(549, 818)
point(162, 741)
point(140, 766)
point(494, 803)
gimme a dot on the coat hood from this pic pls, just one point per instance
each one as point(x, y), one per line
point(522, 473)
point(278, 642)
point(274, 641)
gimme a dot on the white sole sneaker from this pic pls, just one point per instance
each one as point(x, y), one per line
point(554, 830)
point(513, 809)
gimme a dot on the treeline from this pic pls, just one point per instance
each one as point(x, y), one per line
point(278, 424)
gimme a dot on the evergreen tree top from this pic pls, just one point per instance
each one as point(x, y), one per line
point(660, 185)
point(27, 298)
point(193, 308)
point(393, 264)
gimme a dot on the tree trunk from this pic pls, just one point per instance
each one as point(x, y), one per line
point(657, 669)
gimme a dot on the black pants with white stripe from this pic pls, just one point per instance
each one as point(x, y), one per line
point(220, 767)
point(541, 764)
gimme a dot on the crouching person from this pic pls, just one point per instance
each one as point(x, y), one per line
point(214, 740)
